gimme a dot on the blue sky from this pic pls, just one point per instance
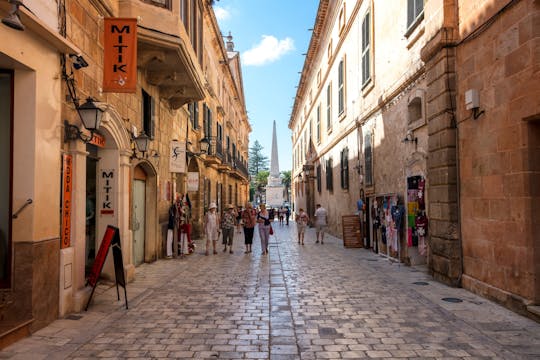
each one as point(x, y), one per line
point(271, 37)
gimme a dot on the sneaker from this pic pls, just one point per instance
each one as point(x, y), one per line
point(215, 252)
point(230, 251)
point(316, 242)
point(225, 250)
point(302, 243)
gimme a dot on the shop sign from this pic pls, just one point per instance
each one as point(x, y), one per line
point(120, 55)
point(67, 187)
point(98, 140)
point(193, 181)
point(106, 188)
point(177, 157)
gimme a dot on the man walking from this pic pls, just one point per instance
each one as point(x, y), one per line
point(320, 222)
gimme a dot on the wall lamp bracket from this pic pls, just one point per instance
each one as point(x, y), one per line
point(72, 132)
point(410, 138)
point(12, 20)
point(204, 146)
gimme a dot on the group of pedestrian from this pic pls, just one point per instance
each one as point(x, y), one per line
point(214, 225)
point(302, 220)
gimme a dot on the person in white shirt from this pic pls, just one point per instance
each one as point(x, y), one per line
point(320, 222)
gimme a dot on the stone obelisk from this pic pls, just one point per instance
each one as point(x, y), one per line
point(274, 189)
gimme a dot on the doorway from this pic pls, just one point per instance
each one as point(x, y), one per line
point(139, 216)
point(90, 227)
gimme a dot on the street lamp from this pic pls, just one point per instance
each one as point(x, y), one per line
point(90, 115)
point(141, 145)
point(204, 147)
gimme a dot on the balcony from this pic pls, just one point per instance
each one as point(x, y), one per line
point(214, 154)
point(240, 170)
point(165, 55)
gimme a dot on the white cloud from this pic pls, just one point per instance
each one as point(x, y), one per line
point(222, 14)
point(268, 50)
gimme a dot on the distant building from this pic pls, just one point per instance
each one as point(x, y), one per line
point(274, 188)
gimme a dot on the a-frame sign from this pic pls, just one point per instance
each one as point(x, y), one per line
point(111, 238)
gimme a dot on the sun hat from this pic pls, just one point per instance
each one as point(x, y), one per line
point(212, 206)
point(230, 206)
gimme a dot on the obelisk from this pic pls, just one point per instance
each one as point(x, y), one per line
point(274, 188)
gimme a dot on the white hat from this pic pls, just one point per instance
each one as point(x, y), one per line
point(212, 206)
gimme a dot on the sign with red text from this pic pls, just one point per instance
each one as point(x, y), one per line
point(120, 55)
point(193, 181)
point(67, 187)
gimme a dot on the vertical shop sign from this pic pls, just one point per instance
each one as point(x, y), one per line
point(106, 188)
point(177, 157)
point(67, 187)
point(193, 181)
point(120, 55)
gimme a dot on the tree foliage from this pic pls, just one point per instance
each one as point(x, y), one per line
point(257, 160)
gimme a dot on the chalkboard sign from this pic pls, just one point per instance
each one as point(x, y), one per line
point(352, 234)
point(111, 237)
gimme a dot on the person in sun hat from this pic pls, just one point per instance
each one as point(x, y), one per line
point(228, 223)
point(211, 227)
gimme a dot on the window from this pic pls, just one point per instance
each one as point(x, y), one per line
point(319, 186)
point(366, 39)
point(344, 168)
point(161, 3)
point(207, 121)
point(415, 13)
point(368, 160)
point(329, 107)
point(415, 109)
point(191, 15)
point(329, 175)
point(6, 186)
point(193, 109)
point(148, 121)
point(318, 124)
point(341, 20)
point(341, 87)
point(330, 51)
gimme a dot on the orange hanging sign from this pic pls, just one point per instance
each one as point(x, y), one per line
point(120, 55)
point(67, 185)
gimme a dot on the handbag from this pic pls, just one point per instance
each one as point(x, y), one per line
point(271, 230)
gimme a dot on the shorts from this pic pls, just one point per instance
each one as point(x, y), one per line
point(320, 227)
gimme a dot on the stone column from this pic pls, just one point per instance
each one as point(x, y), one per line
point(444, 251)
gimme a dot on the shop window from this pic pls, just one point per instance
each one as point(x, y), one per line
point(415, 110)
point(415, 14)
point(344, 166)
point(148, 113)
point(319, 182)
point(368, 160)
point(329, 175)
point(366, 55)
point(6, 138)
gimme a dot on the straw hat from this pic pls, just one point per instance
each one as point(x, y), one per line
point(212, 206)
point(230, 206)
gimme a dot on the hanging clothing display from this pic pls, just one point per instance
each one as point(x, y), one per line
point(417, 222)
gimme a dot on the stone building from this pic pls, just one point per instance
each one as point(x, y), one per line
point(422, 116)
point(67, 181)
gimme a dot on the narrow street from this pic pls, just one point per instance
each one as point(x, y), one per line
point(299, 302)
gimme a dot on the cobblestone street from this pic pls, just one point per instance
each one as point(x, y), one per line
point(299, 302)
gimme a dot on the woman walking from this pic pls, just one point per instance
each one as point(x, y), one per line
point(302, 220)
point(263, 218)
point(248, 219)
point(211, 227)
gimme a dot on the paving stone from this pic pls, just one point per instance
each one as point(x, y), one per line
point(297, 303)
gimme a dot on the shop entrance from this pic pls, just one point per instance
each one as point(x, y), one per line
point(90, 227)
point(139, 216)
point(6, 138)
